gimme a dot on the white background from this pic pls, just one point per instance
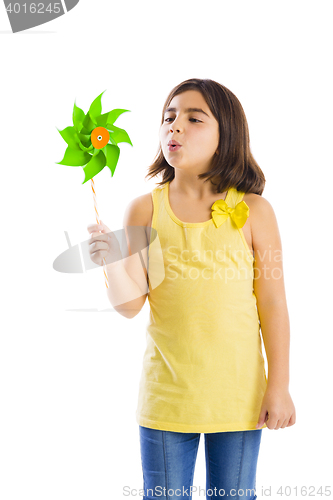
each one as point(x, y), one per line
point(69, 379)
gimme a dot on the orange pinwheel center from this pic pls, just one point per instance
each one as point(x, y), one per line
point(100, 137)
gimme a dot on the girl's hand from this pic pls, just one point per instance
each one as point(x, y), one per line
point(103, 244)
point(277, 409)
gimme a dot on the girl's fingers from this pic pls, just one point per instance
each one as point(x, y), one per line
point(100, 238)
point(100, 245)
point(94, 227)
point(95, 237)
point(95, 233)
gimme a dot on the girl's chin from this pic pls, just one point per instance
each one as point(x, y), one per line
point(174, 156)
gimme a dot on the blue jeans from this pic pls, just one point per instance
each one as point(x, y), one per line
point(168, 461)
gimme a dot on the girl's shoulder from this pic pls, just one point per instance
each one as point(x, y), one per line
point(262, 219)
point(258, 203)
point(139, 211)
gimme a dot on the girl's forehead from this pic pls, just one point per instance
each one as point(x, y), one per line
point(188, 98)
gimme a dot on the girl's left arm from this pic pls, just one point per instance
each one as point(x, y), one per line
point(272, 308)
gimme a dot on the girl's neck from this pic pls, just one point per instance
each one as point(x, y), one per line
point(198, 190)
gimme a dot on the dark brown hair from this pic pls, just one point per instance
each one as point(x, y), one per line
point(234, 164)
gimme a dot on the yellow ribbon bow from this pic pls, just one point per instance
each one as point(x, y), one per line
point(221, 211)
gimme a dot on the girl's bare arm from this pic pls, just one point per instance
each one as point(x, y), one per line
point(130, 273)
point(270, 290)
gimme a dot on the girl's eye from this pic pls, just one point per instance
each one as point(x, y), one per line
point(190, 119)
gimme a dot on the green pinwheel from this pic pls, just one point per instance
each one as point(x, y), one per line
point(93, 139)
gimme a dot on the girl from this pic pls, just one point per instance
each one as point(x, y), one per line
point(203, 368)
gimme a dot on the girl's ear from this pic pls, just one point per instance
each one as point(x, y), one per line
point(217, 152)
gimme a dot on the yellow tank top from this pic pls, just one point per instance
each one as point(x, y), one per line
point(203, 369)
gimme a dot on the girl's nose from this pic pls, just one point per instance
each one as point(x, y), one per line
point(173, 127)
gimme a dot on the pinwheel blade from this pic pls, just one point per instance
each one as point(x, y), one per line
point(120, 135)
point(74, 158)
point(88, 125)
point(95, 165)
point(112, 156)
point(78, 117)
point(102, 120)
point(95, 109)
point(70, 136)
point(114, 114)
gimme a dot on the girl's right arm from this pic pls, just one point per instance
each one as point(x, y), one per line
point(127, 277)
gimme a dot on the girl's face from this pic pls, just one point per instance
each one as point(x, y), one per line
point(197, 132)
